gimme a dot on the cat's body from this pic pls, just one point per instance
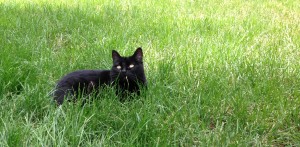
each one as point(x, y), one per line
point(127, 75)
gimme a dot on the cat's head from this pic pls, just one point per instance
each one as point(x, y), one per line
point(128, 68)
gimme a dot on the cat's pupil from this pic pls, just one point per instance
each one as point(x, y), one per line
point(131, 66)
point(120, 67)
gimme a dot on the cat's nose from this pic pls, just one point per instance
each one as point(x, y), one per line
point(123, 70)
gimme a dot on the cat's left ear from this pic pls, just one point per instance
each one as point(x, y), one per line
point(138, 54)
point(115, 55)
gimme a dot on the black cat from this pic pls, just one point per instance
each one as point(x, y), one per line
point(126, 74)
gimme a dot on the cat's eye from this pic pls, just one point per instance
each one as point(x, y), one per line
point(131, 66)
point(118, 67)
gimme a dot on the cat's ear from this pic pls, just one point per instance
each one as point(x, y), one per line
point(138, 54)
point(115, 55)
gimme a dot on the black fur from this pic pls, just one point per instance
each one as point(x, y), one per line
point(126, 74)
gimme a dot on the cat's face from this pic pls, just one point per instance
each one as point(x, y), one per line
point(127, 68)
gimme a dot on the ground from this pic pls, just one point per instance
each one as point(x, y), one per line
point(220, 73)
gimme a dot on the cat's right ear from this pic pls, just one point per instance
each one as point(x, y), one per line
point(138, 54)
point(115, 55)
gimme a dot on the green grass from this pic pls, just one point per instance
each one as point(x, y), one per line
point(220, 73)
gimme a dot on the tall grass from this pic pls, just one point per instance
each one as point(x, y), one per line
point(219, 72)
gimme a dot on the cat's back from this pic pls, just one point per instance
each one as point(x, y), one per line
point(85, 76)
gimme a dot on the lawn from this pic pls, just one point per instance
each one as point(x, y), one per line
point(220, 73)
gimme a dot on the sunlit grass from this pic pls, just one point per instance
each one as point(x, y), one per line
point(219, 72)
